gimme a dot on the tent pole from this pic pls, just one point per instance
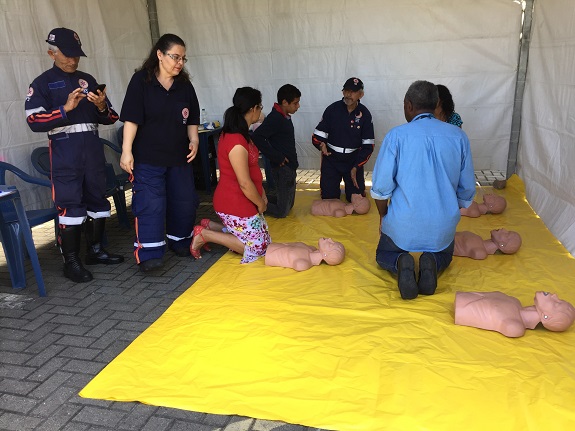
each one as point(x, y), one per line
point(153, 19)
point(520, 87)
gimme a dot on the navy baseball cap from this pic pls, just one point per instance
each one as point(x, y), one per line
point(353, 84)
point(67, 41)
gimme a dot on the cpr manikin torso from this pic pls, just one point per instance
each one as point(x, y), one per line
point(492, 204)
point(496, 311)
point(336, 208)
point(300, 256)
point(468, 244)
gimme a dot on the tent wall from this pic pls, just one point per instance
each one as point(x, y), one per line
point(472, 47)
point(546, 160)
point(314, 44)
point(115, 36)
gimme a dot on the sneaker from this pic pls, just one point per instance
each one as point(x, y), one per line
point(150, 265)
point(406, 276)
point(427, 274)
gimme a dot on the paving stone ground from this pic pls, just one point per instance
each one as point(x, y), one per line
point(51, 347)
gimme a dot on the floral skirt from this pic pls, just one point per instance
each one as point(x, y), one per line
point(252, 231)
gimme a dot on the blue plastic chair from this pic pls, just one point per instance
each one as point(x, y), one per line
point(122, 183)
point(11, 234)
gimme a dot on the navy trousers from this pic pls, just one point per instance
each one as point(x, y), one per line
point(335, 167)
point(284, 179)
point(164, 203)
point(78, 177)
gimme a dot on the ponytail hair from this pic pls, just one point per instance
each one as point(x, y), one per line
point(244, 99)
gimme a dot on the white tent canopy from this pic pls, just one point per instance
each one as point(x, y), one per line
point(471, 47)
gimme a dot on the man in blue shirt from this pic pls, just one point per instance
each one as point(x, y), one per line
point(346, 139)
point(425, 168)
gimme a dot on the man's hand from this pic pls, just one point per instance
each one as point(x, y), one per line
point(382, 206)
point(98, 99)
point(323, 148)
point(353, 175)
point(285, 162)
point(73, 99)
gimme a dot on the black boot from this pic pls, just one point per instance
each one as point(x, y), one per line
point(97, 253)
point(70, 237)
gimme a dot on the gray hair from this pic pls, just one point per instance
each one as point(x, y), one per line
point(422, 95)
point(53, 48)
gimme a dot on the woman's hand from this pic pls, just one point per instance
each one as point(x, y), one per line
point(262, 208)
point(127, 161)
point(263, 205)
point(193, 146)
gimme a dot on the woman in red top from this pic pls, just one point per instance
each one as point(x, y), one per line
point(239, 199)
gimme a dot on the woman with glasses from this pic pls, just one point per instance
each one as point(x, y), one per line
point(161, 115)
point(239, 199)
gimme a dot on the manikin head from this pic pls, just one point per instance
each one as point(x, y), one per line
point(508, 242)
point(361, 204)
point(331, 251)
point(495, 204)
point(556, 315)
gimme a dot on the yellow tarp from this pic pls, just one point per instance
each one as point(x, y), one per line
point(337, 348)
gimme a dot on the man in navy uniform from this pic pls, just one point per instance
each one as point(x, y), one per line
point(345, 138)
point(65, 103)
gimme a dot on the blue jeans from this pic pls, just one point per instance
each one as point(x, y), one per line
point(387, 254)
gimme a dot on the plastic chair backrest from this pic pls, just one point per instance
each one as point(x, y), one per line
point(40, 158)
point(121, 182)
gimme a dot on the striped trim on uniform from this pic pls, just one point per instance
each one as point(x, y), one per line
point(33, 111)
point(149, 244)
point(75, 128)
point(71, 221)
point(99, 214)
point(177, 238)
point(44, 117)
point(341, 149)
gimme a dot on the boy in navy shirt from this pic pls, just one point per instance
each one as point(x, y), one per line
point(275, 139)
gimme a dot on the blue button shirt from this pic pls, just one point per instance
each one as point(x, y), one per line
point(426, 169)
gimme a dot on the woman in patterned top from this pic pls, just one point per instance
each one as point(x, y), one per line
point(445, 110)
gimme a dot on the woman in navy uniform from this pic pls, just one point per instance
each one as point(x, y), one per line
point(161, 115)
point(64, 102)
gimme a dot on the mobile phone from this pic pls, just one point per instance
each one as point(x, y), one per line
point(100, 87)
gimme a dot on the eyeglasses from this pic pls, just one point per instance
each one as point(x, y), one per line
point(177, 58)
point(260, 106)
